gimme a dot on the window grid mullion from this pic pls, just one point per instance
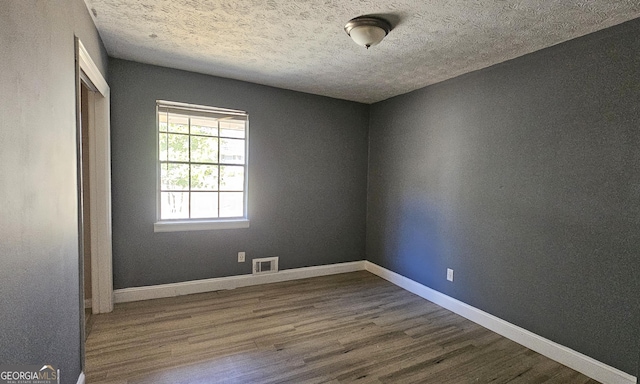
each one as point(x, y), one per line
point(166, 138)
point(204, 190)
point(189, 193)
point(201, 163)
point(219, 176)
point(244, 173)
point(203, 135)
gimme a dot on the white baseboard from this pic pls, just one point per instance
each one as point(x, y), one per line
point(231, 282)
point(81, 378)
point(572, 359)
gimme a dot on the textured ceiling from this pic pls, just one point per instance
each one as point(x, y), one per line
point(301, 45)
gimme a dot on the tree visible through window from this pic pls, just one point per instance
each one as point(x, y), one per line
point(202, 162)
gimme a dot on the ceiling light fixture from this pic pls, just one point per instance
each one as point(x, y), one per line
point(367, 30)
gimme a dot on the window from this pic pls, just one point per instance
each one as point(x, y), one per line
point(202, 167)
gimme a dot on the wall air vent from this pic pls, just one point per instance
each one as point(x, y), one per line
point(265, 265)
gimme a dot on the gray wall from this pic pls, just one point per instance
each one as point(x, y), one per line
point(39, 278)
point(524, 179)
point(307, 178)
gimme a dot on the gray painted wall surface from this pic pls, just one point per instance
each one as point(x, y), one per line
point(39, 279)
point(524, 179)
point(307, 178)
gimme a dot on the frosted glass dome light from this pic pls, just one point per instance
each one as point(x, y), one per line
point(367, 30)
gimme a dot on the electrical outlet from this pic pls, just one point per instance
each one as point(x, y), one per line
point(449, 274)
point(241, 257)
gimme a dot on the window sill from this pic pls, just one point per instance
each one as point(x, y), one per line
point(194, 225)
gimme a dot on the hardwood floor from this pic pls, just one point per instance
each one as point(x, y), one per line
point(352, 327)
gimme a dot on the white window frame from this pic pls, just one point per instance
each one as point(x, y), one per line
point(174, 225)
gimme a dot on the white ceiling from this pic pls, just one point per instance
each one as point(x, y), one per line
point(301, 45)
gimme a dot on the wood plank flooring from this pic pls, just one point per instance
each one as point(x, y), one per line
point(352, 327)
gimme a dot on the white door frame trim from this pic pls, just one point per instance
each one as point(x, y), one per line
point(99, 183)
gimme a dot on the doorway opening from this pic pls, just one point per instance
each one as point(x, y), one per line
point(94, 191)
point(86, 205)
point(94, 160)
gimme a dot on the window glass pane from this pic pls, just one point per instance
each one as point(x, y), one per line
point(178, 146)
point(174, 205)
point(162, 120)
point(174, 176)
point(204, 126)
point(232, 129)
point(231, 204)
point(204, 177)
point(204, 205)
point(232, 151)
point(178, 123)
point(231, 178)
point(193, 142)
point(163, 146)
point(204, 149)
